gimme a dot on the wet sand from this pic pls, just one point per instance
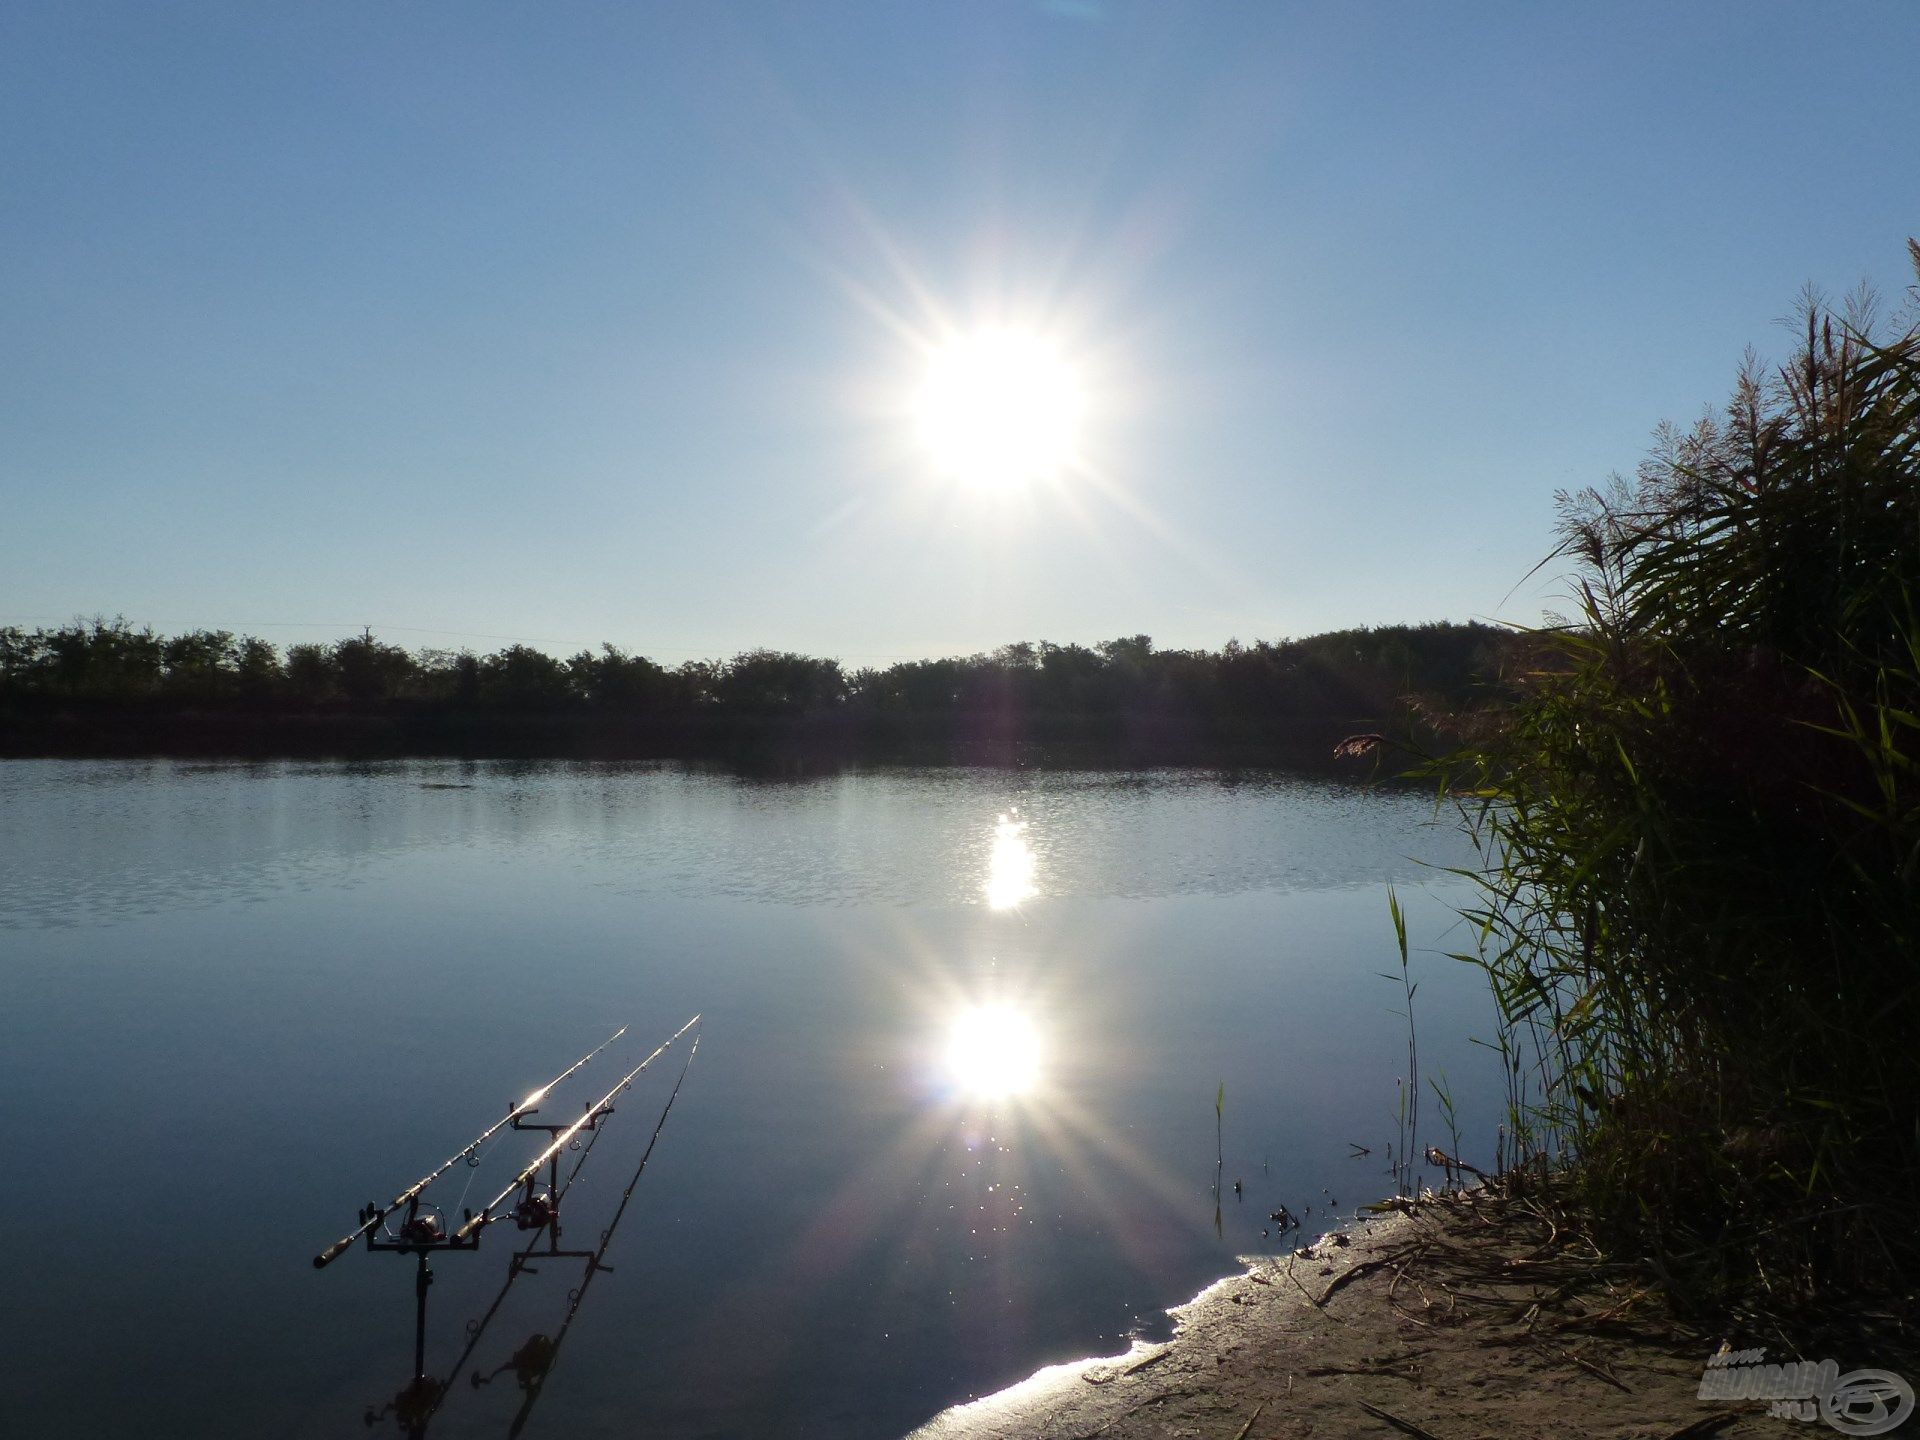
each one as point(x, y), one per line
point(1456, 1318)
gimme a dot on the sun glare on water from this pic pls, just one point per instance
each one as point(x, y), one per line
point(993, 1051)
point(999, 409)
point(1011, 867)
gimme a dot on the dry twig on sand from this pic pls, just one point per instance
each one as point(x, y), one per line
point(1406, 1427)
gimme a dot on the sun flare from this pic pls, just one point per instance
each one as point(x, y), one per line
point(993, 1051)
point(1000, 408)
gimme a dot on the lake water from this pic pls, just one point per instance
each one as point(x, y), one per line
point(239, 1001)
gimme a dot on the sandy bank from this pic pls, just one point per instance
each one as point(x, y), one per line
point(1463, 1318)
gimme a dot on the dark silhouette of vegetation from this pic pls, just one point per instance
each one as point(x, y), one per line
point(1704, 926)
point(106, 687)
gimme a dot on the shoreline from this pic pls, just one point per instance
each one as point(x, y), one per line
point(1450, 1317)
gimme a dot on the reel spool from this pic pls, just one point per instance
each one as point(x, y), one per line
point(537, 1210)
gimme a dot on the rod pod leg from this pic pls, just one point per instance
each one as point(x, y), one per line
point(421, 1281)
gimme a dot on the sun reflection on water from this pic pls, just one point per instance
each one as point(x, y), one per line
point(1010, 865)
point(993, 1051)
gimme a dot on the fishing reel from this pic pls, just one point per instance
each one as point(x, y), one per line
point(413, 1407)
point(529, 1363)
point(422, 1227)
point(537, 1210)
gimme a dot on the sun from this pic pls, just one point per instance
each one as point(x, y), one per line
point(998, 409)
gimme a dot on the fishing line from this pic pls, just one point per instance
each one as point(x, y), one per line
point(658, 1124)
point(598, 1130)
point(473, 1170)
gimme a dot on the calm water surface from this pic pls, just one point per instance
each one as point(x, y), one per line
point(236, 1002)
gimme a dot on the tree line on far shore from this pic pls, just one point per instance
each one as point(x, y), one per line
point(1347, 678)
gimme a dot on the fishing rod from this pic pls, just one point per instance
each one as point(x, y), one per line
point(529, 1212)
point(416, 1404)
point(423, 1233)
point(596, 1260)
point(373, 1215)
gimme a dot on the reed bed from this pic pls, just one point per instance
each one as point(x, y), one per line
point(1702, 913)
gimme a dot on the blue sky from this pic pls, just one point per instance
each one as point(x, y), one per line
point(575, 322)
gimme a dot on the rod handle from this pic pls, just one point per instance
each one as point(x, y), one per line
point(339, 1247)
